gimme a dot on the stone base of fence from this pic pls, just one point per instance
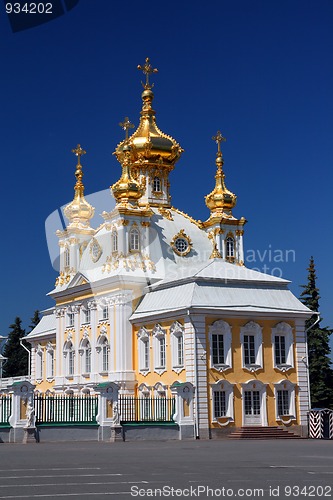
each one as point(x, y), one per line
point(150, 431)
point(30, 435)
point(75, 432)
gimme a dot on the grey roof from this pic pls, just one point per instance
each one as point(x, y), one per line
point(46, 326)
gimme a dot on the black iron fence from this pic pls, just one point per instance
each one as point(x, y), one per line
point(5, 408)
point(63, 409)
point(145, 409)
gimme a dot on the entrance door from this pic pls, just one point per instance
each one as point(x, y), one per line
point(252, 414)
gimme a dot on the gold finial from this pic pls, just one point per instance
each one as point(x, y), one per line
point(79, 211)
point(218, 138)
point(126, 125)
point(147, 70)
point(79, 188)
point(79, 152)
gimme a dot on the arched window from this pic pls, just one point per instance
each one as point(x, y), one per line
point(67, 257)
point(103, 349)
point(134, 243)
point(230, 247)
point(157, 185)
point(69, 354)
point(114, 241)
point(39, 363)
point(85, 352)
point(50, 361)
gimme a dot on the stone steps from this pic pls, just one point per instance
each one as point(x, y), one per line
point(262, 433)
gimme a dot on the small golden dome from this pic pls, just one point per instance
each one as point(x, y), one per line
point(79, 211)
point(127, 190)
point(149, 144)
point(220, 199)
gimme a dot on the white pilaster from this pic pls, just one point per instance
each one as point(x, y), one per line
point(302, 371)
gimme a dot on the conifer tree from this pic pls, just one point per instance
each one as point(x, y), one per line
point(34, 321)
point(17, 357)
point(320, 370)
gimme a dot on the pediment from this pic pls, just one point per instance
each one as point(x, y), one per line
point(77, 280)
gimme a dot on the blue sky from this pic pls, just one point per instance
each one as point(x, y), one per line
point(259, 71)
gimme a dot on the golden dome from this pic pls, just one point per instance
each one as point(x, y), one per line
point(127, 190)
point(148, 143)
point(79, 211)
point(220, 199)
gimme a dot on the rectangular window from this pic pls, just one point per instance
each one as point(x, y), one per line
point(70, 362)
point(162, 352)
point(280, 350)
point(70, 319)
point(50, 363)
point(86, 316)
point(218, 349)
point(283, 402)
point(105, 313)
point(220, 409)
point(249, 350)
point(146, 354)
point(105, 357)
point(88, 360)
point(180, 350)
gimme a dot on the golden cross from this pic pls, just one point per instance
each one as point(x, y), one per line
point(147, 69)
point(126, 125)
point(218, 138)
point(79, 152)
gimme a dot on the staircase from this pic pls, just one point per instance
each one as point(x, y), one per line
point(262, 433)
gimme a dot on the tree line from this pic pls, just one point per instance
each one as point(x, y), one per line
point(319, 362)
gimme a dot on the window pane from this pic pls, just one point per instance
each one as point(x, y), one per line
point(249, 350)
point(283, 402)
point(218, 349)
point(219, 404)
point(180, 350)
point(162, 352)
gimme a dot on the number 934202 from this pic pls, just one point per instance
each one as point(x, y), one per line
point(29, 8)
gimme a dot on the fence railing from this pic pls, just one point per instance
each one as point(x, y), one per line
point(5, 408)
point(61, 409)
point(145, 409)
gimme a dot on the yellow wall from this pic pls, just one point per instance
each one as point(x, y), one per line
point(169, 376)
point(237, 375)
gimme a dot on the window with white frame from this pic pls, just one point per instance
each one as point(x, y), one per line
point(157, 184)
point(220, 345)
point(69, 354)
point(70, 319)
point(230, 247)
point(285, 400)
point(134, 240)
point(222, 400)
point(282, 341)
point(67, 257)
point(104, 354)
point(177, 346)
point(105, 313)
point(159, 349)
point(144, 350)
point(85, 351)
point(251, 341)
point(39, 363)
point(114, 241)
point(50, 361)
point(86, 316)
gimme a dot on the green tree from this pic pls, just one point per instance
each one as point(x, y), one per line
point(17, 357)
point(320, 371)
point(34, 321)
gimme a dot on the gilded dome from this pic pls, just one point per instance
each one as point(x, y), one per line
point(148, 143)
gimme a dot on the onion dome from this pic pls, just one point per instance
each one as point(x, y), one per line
point(220, 199)
point(127, 190)
point(79, 211)
point(148, 143)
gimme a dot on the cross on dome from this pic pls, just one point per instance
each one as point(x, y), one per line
point(147, 70)
point(126, 125)
point(78, 151)
point(218, 138)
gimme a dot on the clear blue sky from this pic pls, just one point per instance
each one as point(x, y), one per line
point(259, 71)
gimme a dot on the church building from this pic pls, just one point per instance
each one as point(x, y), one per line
point(159, 305)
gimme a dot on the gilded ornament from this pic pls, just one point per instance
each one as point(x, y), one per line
point(181, 244)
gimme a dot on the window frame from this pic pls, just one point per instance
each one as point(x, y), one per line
point(284, 330)
point(252, 329)
point(177, 347)
point(50, 362)
point(160, 349)
point(134, 240)
point(221, 328)
point(39, 362)
point(290, 388)
point(143, 344)
point(223, 386)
